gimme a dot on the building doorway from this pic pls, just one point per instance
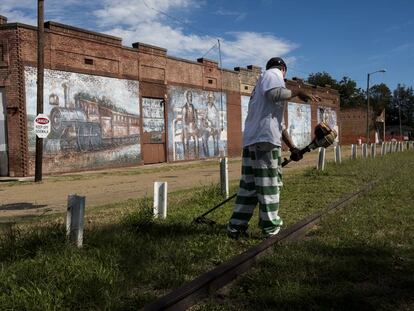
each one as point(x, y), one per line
point(153, 138)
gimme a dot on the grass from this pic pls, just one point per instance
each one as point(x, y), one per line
point(359, 259)
point(129, 258)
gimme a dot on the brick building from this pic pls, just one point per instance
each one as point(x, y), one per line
point(112, 105)
point(353, 124)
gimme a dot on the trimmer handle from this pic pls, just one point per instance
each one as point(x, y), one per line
point(302, 152)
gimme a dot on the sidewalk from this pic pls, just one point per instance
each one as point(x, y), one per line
point(29, 199)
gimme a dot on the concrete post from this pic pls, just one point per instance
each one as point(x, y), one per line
point(224, 177)
point(160, 199)
point(365, 150)
point(337, 154)
point(75, 219)
point(321, 159)
point(383, 150)
point(373, 150)
point(353, 152)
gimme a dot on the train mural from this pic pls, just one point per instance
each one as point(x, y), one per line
point(94, 117)
point(89, 125)
point(197, 124)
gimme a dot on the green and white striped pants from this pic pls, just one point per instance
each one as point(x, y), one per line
point(261, 181)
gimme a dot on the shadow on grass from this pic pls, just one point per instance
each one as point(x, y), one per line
point(316, 276)
point(133, 263)
point(20, 206)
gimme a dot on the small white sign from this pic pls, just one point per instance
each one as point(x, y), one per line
point(42, 125)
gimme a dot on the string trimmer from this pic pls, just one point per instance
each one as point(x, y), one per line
point(324, 137)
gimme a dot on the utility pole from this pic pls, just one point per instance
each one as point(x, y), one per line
point(40, 78)
point(399, 118)
point(368, 116)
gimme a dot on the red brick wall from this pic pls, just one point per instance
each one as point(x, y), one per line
point(11, 78)
point(66, 49)
point(354, 125)
point(234, 138)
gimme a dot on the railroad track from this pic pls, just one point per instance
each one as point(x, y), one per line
point(189, 294)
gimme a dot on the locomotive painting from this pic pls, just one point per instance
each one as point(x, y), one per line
point(90, 124)
point(95, 118)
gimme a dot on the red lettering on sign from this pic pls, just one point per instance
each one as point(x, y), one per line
point(42, 120)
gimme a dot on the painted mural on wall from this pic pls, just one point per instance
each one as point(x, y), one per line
point(328, 115)
point(299, 123)
point(197, 123)
point(153, 115)
point(93, 119)
point(244, 109)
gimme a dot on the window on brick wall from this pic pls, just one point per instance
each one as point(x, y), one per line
point(88, 61)
point(3, 57)
point(3, 54)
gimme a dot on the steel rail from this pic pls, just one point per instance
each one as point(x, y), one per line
point(189, 294)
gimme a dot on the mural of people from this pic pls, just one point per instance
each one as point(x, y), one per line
point(197, 123)
point(299, 122)
point(328, 115)
point(244, 109)
point(189, 126)
point(210, 126)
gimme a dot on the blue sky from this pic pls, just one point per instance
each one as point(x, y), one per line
point(344, 38)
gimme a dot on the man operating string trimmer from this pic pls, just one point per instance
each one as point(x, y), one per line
point(261, 178)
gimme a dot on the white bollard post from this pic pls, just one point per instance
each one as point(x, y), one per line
point(407, 145)
point(373, 150)
point(401, 146)
point(224, 177)
point(75, 219)
point(160, 199)
point(365, 151)
point(383, 151)
point(337, 154)
point(353, 152)
point(321, 159)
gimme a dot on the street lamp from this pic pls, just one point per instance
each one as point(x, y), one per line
point(382, 70)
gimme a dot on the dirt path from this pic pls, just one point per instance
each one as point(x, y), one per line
point(20, 200)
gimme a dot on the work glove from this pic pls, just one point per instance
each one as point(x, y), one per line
point(295, 154)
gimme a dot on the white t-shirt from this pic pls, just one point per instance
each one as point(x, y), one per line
point(264, 121)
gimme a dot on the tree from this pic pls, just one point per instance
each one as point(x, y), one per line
point(403, 97)
point(380, 97)
point(350, 95)
point(322, 79)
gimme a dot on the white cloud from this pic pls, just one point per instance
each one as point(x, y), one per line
point(127, 12)
point(143, 22)
point(154, 22)
point(25, 11)
point(255, 48)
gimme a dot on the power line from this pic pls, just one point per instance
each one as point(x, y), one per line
point(201, 32)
